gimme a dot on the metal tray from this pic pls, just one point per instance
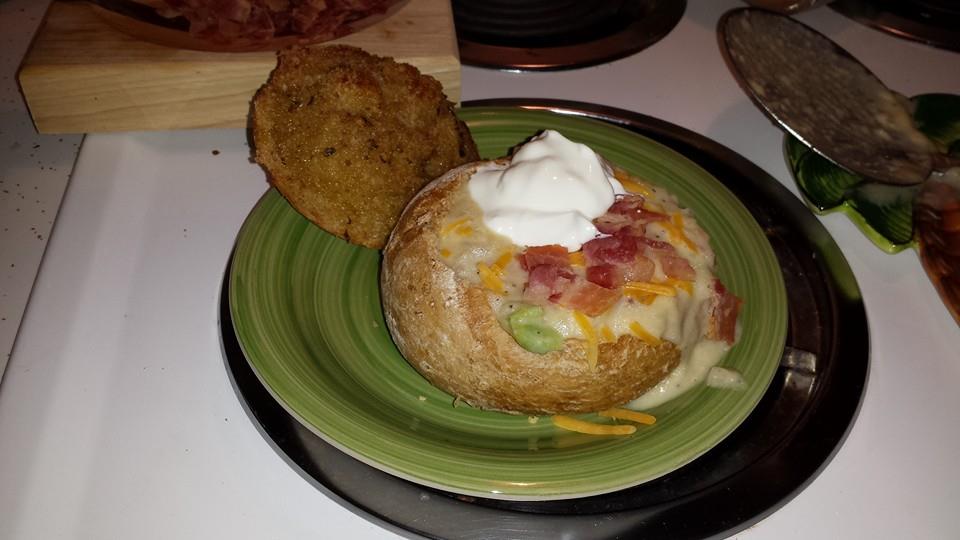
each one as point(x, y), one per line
point(546, 35)
point(792, 434)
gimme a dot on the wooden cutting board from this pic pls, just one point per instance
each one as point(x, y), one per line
point(81, 75)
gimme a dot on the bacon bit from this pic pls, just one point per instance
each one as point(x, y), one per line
point(576, 259)
point(591, 336)
point(546, 283)
point(642, 333)
point(588, 297)
point(637, 208)
point(552, 255)
point(627, 414)
point(613, 275)
point(537, 291)
point(590, 428)
point(604, 275)
point(549, 273)
point(673, 265)
point(677, 267)
point(502, 261)
point(723, 320)
point(641, 269)
point(489, 278)
point(627, 205)
point(607, 334)
point(628, 215)
point(615, 223)
point(656, 245)
point(649, 288)
point(610, 250)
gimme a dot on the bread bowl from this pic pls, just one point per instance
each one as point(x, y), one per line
point(460, 299)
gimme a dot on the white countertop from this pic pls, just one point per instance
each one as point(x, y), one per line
point(33, 174)
point(118, 419)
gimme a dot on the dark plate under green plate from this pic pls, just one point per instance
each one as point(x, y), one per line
point(306, 310)
point(883, 212)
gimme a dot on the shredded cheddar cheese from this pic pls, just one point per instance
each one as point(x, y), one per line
point(590, 334)
point(453, 225)
point(644, 287)
point(675, 229)
point(635, 187)
point(642, 297)
point(489, 278)
point(607, 334)
point(642, 333)
point(444, 252)
point(627, 414)
point(502, 261)
point(590, 428)
point(576, 259)
point(653, 207)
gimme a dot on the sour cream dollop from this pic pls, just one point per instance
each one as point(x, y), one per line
point(549, 193)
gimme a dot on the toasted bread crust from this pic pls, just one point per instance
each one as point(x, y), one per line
point(348, 137)
point(447, 330)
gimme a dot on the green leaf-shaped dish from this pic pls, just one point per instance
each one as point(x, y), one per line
point(883, 212)
point(306, 309)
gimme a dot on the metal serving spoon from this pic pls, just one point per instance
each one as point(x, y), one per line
point(828, 100)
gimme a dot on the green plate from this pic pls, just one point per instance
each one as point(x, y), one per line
point(884, 213)
point(306, 310)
